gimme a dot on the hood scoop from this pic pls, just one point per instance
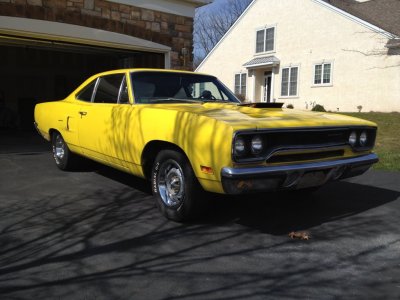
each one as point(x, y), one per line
point(263, 104)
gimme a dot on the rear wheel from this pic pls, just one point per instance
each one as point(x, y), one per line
point(63, 157)
point(177, 192)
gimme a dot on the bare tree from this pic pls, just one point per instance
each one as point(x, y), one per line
point(391, 48)
point(211, 24)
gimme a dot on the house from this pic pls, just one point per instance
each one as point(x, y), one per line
point(342, 54)
point(48, 47)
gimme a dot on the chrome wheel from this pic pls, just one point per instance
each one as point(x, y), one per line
point(171, 183)
point(177, 193)
point(59, 149)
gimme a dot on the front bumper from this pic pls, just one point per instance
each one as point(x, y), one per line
point(298, 176)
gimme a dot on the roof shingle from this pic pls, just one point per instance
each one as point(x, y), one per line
point(382, 13)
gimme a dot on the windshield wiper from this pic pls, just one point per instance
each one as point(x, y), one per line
point(175, 100)
point(217, 101)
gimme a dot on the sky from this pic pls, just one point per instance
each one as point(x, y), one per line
point(215, 5)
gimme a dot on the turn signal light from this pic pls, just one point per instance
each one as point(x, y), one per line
point(207, 170)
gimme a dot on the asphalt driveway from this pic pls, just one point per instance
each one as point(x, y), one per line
point(96, 234)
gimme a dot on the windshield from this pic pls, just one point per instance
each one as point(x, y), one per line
point(164, 87)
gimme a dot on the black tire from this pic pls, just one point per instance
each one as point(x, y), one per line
point(63, 157)
point(177, 193)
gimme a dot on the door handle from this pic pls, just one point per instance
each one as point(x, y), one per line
point(83, 113)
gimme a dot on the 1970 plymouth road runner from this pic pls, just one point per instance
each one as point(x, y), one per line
point(187, 133)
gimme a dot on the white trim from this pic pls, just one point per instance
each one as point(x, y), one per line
point(271, 75)
point(257, 66)
point(55, 31)
point(273, 84)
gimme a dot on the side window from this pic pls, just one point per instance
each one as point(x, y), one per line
point(108, 89)
point(87, 92)
point(123, 93)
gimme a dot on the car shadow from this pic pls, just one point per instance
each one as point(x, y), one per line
point(281, 212)
point(129, 180)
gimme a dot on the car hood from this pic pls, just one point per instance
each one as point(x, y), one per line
point(241, 117)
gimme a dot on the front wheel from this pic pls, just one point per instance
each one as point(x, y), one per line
point(177, 192)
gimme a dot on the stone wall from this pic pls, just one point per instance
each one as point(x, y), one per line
point(168, 29)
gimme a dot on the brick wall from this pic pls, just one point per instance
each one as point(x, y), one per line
point(172, 30)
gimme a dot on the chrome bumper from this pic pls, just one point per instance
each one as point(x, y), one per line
point(298, 176)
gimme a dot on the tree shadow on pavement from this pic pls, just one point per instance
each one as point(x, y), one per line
point(279, 213)
point(110, 242)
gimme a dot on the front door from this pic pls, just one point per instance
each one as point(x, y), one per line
point(101, 124)
point(267, 87)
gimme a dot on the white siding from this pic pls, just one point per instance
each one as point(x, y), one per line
point(308, 33)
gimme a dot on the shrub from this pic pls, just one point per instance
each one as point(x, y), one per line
point(290, 106)
point(318, 107)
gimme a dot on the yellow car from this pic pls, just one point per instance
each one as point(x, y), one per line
point(187, 133)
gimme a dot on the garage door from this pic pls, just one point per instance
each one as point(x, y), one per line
point(38, 66)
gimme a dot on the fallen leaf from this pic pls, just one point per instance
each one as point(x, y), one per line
point(301, 235)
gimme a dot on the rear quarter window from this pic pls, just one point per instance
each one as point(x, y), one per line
point(108, 88)
point(87, 92)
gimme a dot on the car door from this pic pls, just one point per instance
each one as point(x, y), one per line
point(101, 124)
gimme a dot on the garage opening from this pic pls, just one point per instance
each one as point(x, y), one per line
point(34, 71)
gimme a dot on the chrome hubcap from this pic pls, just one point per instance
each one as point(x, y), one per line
point(59, 148)
point(171, 183)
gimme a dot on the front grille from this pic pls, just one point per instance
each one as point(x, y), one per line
point(318, 141)
point(298, 157)
point(307, 138)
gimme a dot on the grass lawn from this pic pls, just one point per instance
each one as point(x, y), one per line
point(387, 144)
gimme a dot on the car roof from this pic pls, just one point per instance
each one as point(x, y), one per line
point(134, 70)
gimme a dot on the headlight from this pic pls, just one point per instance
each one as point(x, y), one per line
point(256, 145)
point(240, 147)
point(353, 138)
point(363, 139)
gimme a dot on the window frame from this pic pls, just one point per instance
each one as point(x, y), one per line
point(119, 89)
point(322, 84)
point(240, 74)
point(150, 75)
point(290, 67)
point(124, 81)
point(83, 89)
point(264, 29)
